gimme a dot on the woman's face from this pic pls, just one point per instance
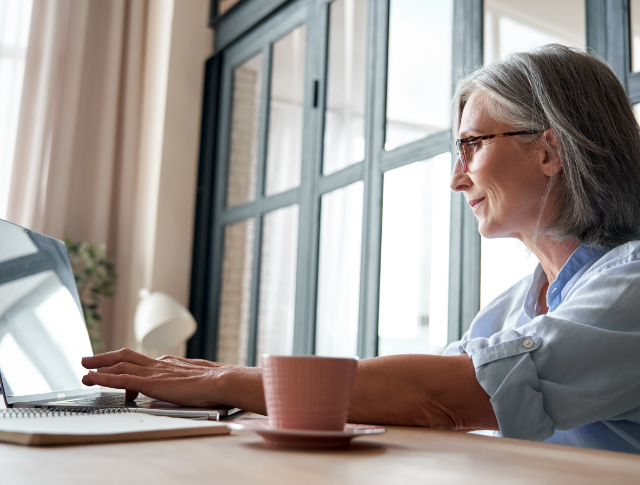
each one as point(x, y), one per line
point(505, 181)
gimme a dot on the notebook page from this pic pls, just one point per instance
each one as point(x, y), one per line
point(101, 427)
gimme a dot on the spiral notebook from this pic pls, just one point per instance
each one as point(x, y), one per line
point(35, 426)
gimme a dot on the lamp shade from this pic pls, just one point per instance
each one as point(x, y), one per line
point(161, 322)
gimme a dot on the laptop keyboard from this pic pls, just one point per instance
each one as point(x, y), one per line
point(114, 401)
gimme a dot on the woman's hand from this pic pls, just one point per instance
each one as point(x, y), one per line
point(188, 382)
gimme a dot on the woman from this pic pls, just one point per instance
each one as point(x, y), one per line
point(548, 153)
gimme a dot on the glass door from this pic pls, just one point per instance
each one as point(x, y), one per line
point(262, 142)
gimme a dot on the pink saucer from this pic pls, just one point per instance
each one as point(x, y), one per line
point(305, 438)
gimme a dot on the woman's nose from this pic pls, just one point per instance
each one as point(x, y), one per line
point(459, 181)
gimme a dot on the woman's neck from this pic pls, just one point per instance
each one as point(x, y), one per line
point(552, 254)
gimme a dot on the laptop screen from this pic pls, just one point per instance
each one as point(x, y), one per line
point(42, 330)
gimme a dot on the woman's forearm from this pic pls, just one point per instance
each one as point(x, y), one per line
point(241, 387)
point(421, 390)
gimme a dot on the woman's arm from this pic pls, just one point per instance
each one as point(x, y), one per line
point(414, 390)
point(421, 390)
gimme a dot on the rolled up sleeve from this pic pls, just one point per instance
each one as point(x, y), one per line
point(577, 365)
point(507, 373)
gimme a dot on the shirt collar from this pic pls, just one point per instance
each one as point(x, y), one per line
point(579, 262)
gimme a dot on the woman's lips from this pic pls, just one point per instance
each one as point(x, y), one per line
point(475, 203)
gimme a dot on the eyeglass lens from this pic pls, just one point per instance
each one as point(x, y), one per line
point(469, 150)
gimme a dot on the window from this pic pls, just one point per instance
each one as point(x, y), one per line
point(419, 75)
point(344, 141)
point(15, 19)
point(329, 235)
point(634, 14)
point(331, 228)
point(284, 143)
point(278, 282)
point(518, 25)
point(414, 273)
point(338, 301)
point(258, 219)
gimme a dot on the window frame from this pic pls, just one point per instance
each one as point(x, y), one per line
point(210, 224)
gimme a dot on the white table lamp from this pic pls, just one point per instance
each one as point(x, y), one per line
point(161, 322)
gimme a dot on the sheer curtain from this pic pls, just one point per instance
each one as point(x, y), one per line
point(90, 131)
point(77, 151)
point(15, 19)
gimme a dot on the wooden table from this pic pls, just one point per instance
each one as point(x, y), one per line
point(402, 455)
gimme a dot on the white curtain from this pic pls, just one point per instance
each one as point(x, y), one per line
point(15, 19)
point(89, 136)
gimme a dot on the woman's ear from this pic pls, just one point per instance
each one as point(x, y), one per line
point(550, 162)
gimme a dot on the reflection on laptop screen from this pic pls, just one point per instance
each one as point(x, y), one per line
point(42, 331)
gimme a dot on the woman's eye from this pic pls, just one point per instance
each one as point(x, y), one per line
point(475, 145)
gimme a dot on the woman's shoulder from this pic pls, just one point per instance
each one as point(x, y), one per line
point(624, 257)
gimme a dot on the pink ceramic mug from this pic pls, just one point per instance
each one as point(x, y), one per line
point(308, 392)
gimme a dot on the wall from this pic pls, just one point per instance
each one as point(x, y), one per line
point(160, 215)
point(169, 253)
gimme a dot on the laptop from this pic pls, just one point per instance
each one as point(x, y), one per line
point(43, 334)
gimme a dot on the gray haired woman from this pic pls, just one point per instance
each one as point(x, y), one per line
point(548, 153)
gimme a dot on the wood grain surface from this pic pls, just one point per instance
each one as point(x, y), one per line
point(402, 455)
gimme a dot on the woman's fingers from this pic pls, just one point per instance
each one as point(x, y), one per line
point(127, 368)
point(115, 381)
point(112, 358)
point(88, 380)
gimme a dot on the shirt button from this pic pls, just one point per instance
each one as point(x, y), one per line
point(527, 344)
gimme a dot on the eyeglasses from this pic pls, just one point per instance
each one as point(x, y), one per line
point(467, 147)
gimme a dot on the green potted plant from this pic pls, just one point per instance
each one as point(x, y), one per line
point(96, 277)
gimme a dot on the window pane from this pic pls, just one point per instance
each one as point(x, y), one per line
point(278, 282)
point(419, 70)
point(344, 115)
point(634, 7)
point(235, 297)
point(519, 25)
point(243, 157)
point(414, 272)
point(339, 272)
point(284, 149)
point(503, 262)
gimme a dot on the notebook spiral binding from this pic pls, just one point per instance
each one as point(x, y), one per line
point(46, 413)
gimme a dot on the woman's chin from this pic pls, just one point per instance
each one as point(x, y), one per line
point(490, 231)
point(485, 229)
point(495, 231)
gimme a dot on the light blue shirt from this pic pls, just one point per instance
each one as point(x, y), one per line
point(571, 376)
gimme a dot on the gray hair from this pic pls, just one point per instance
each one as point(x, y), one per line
point(581, 100)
